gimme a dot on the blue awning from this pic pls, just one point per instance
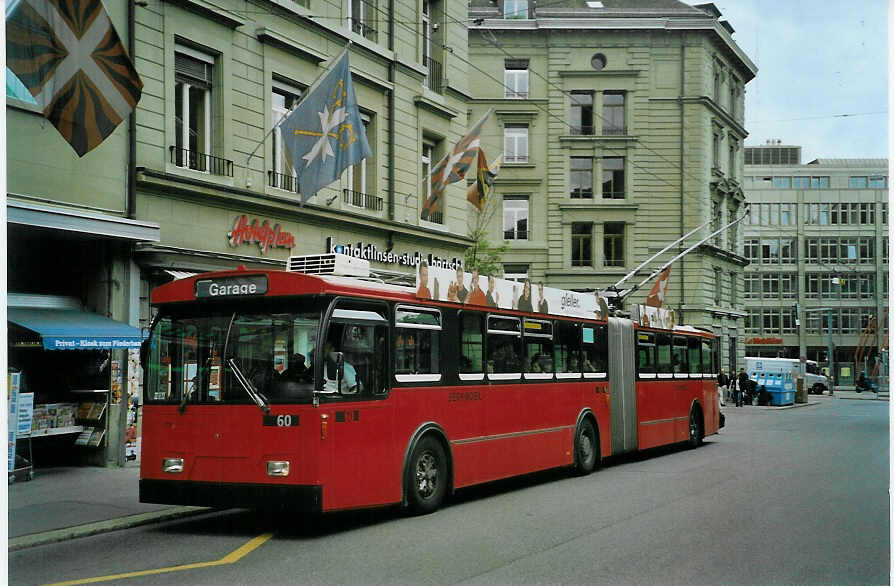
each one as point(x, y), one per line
point(67, 329)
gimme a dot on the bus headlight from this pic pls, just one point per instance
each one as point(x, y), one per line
point(172, 465)
point(277, 468)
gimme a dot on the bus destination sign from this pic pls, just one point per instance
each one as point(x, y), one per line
point(231, 287)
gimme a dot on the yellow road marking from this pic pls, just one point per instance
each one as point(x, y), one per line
point(230, 558)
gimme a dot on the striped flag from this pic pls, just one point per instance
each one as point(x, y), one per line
point(655, 298)
point(70, 59)
point(453, 167)
point(484, 180)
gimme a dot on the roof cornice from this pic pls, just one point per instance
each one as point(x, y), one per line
point(678, 24)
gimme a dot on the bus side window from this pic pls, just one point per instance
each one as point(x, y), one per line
point(707, 357)
point(418, 344)
point(646, 354)
point(538, 342)
point(504, 347)
point(695, 360)
point(471, 344)
point(568, 340)
point(665, 364)
point(681, 358)
point(595, 349)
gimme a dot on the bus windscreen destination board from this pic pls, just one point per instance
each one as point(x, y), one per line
point(231, 287)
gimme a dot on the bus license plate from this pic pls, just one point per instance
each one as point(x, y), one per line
point(280, 421)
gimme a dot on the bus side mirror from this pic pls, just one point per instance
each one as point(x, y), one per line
point(335, 363)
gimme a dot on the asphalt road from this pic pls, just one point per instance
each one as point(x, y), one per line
point(797, 496)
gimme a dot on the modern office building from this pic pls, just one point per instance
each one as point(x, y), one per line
point(621, 126)
point(817, 242)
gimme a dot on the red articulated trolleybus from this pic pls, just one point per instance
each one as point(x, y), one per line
point(323, 392)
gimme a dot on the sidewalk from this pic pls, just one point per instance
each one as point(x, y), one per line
point(63, 503)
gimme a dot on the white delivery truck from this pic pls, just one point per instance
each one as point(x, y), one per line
point(779, 374)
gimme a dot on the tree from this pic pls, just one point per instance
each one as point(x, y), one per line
point(484, 255)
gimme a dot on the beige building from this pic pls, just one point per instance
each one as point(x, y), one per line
point(622, 127)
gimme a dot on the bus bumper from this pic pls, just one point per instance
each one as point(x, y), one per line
point(290, 497)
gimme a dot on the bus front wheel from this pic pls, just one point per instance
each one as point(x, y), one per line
point(427, 476)
point(696, 429)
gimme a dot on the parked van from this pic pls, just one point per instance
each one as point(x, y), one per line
point(778, 375)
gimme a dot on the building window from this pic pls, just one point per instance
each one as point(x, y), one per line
point(361, 14)
point(788, 323)
point(428, 153)
point(812, 285)
point(581, 244)
point(718, 79)
point(769, 251)
point(732, 160)
point(801, 182)
point(718, 286)
point(788, 250)
point(867, 250)
point(581, 113)
point(515, 217)
point(515, 143)
point(716, 221)
point(821, 182)
point(515, 9)
point(770, 286)
point(732, 234)
point(715, 153)
point(752, 286)
point(283, 99)
point(355, 176)
point(878, 182)
point(733, 289)
point(613, 178)
point(867, 213)
point(788, 285)
point(613, 244)
point(788, 214)
point(771, 321)
point(857, 182)
point(753, 321)
point(867, 285)
point(514, 272)
point(581, 178)
point(752, 249)
point(782, 182)
point(515, 77)
point(614, 120)
point(193, 84)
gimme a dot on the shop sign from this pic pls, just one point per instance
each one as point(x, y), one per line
point(261, 234)
point(370, 252)
point(764, 341)
point(231, 287)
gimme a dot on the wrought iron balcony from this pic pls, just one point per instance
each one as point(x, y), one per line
point(362, 28)
point(433, 79)
point(612, 130)
point(585, 130)
point(362, 200)
point(201, 162)
point(436, 218)
point(282, 181)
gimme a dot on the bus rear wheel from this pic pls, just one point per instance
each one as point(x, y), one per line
point(696, 429)
point(426, 477)
point(586, 448)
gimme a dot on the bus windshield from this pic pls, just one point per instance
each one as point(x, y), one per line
point(272, 350)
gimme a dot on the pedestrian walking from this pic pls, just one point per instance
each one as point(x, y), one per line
point(742, 384)
point(735, 391)
point(723, 386)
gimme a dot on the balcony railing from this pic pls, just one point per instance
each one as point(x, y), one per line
point(515, 158)
point(363, 29)
point(201, 162)
point(582, 130)
point(362, 200)
point(436, 218)
point(433, 79)
point(515, 234)
point(614, 131)
point(282, 181)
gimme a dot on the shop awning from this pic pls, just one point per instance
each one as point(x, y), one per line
point(68, 329)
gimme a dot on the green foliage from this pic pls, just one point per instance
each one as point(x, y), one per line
point(484, 256)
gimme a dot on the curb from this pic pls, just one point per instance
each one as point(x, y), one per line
point(35, 539)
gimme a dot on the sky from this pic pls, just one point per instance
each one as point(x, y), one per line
point(817, 61)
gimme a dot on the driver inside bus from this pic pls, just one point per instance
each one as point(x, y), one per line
point(349, 383)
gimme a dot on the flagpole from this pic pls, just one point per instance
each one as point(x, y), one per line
point(306, 93)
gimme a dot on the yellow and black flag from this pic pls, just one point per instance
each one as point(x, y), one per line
point(70, 59)
point(484, 180)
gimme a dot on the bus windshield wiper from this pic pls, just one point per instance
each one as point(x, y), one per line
point(248, 387)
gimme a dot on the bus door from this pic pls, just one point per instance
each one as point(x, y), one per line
point(359, 465)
